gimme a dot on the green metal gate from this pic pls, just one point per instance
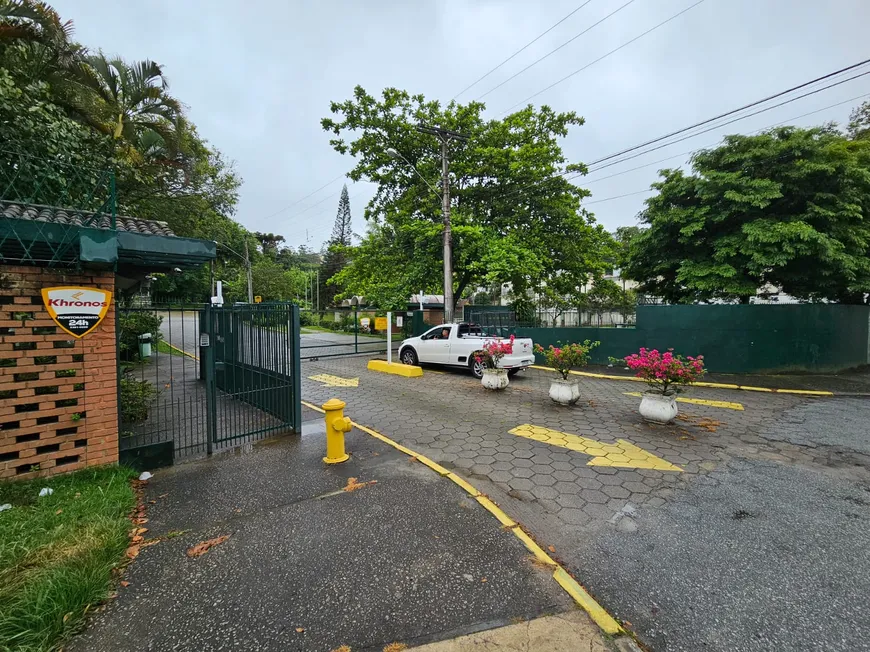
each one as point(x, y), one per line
point(214, 378)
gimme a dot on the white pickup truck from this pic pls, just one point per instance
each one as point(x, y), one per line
point(456, 344)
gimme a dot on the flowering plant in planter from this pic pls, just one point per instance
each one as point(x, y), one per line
point(494, 351)
point(665, 373)
point(564, 358)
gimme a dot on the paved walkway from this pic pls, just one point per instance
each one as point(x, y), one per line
point(310, 566)
point(739, 527)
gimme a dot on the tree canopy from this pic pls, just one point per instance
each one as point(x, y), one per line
point(514, 219)
point(788, 207)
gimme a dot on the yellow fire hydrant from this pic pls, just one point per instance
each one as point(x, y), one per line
point(336, 425)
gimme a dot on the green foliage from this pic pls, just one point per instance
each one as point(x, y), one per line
point(514, 219)
point(788, 208)
point(132, 324)
point(136, 397)
point(59, 553)
point(859, 123)
point(565, 357)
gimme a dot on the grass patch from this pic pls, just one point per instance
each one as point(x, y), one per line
point(57, 553)
point(163, 347)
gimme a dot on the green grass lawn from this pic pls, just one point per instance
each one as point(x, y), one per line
point(57, 553)
point(163, 347)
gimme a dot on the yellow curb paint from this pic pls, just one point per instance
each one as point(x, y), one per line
point(313, 407)
point(181, 351)
point(622, 454)
point(404, 370)
point(335, 381)
point(474, 493)
point(585, 601)
point(603, 619)
point(440, 470)
point(495, 510)
point(535, 549)
point(700, 401)
point(805, 391)
point(746, 388)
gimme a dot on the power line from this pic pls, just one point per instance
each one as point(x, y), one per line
point(305, 197)
point(771, 126)
point(738, 110)
point(534, 40)
point(572, 39)
point(604, 56)
point(723, 124)
point(628, 194)
point(704, 122)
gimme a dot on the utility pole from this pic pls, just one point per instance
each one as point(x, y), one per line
point(318, 289)
point(249, 274)
point(445, 136)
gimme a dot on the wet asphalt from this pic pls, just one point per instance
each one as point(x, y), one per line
point(307, 566)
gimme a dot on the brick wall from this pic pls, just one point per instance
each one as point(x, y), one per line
point(58, 395)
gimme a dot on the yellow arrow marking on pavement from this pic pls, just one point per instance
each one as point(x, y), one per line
point(622, 454)
point(701, 401)
point(335, 381)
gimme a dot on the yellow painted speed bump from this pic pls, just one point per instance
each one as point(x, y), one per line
point(398, 369)
point(701, 401)
point(623, 454)
point(335, 381)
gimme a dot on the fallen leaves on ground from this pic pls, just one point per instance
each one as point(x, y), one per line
point(343, 648)
point(353, 484)
point(299, 630)
point(395, 647)
point(204, 546)
point(710, 425)
point(551, 548)
point(132, 552)
point(125, 583)
point(537, 563)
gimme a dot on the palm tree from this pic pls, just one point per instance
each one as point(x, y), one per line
point(128, 100)
point(42, 39)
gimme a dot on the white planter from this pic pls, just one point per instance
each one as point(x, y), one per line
point(564, 392)
point(495, 379)
point(657, 408)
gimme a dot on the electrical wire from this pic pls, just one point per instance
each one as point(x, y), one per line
point(597, 164)
point(604, 56)
point(738, 110)
point(305, 197)
point(534, 40)
point(572, 39)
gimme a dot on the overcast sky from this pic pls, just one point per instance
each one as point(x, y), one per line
point(258, 76)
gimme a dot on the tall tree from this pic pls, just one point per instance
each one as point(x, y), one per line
point(789, 207)
point(514, 218)
point(126, 100)
point(335, 258)
point(342, 231)
point(269, 243)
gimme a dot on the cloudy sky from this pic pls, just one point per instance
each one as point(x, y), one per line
point(258, 76)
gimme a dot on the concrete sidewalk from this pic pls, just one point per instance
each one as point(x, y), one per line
point(408, 559)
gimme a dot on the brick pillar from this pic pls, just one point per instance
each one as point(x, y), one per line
point(58, 395)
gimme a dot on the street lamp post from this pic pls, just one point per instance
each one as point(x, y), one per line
point(445, 136)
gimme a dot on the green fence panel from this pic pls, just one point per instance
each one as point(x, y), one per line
point(817, 338)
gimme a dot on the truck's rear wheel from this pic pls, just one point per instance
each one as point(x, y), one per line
point(476, 367)
point(409, 357)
